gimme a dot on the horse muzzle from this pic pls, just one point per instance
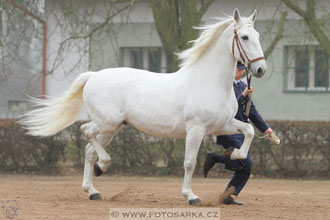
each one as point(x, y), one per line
point(259, 70)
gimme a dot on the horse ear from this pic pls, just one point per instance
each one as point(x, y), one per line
point(237, 16)
point(253, 16)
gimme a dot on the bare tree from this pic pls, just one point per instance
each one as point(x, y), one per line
point(70, 21)
point(277, 37)
point(315, 25)
point(75, 20)
point(175, 20)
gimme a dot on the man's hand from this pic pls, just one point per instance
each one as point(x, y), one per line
point(269, 131)
point(272, 136)
point(247, 91)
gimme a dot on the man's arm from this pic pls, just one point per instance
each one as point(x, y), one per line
point(254, 115)
point(258, 121)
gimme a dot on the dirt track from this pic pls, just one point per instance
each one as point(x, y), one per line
point(62, 197)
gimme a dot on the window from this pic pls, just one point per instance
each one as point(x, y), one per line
point(136, 58)
point(1, 24)
point(307, 68)
point(147, 58)
point(321, 68)
point(154, 60)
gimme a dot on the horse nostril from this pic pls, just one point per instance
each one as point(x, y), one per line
point(260, 71)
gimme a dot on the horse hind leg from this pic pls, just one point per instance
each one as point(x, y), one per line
point(90, 159)
point(93, 150)
point(91, 132)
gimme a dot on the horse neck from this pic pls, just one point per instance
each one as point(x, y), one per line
point(215, 68)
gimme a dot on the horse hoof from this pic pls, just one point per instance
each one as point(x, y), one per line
point(196, 201)
point(97, 170)
point(96, 196)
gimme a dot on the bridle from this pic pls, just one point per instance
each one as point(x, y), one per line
point(241, 50)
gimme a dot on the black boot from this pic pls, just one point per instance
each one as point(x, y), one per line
point(226, 197)
point(209, 162)
point(230, 201)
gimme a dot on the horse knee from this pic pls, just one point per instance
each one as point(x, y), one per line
point(189, 165)
point(105, 160)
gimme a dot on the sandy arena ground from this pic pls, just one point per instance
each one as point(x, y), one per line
point(40, 197)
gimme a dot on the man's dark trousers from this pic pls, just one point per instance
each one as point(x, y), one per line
point(242, 168)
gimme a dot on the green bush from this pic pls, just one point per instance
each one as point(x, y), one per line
point(26, 154)
point(304, 152)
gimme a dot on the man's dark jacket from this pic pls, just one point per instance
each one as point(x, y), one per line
point(236, 140)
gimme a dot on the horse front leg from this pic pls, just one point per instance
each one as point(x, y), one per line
point(234, 127)
point(193, 141)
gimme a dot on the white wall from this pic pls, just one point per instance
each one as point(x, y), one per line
point(61, 79)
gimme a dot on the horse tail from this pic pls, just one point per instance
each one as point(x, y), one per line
point(55, 114)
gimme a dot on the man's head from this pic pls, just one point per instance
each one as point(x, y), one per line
point(239, 70)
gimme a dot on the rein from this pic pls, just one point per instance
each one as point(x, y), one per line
point(248, 105)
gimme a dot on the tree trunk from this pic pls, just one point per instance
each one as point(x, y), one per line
point(175, 20)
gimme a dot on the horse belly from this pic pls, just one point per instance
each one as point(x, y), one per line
point(159, 129)
point(155, 107)
point(156, 116)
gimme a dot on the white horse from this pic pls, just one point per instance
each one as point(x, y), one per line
point(195, 101)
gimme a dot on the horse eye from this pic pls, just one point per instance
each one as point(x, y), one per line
point(245, 37)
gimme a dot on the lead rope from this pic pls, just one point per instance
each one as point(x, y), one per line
point(248, 105)
point(271, 137)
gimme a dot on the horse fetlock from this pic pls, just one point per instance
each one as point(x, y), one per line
point(188, 194)
point(89, 188)
point(93, 191)
point(105, 160)
point(104, 163)
point(85, 188)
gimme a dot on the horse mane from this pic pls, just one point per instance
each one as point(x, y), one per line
point(203, 42)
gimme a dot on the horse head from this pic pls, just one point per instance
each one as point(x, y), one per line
point(246, 45)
